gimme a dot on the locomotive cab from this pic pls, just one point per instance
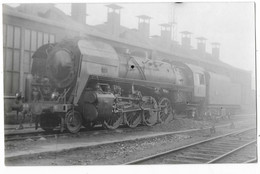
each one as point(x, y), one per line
point(199, 83)
point(196, 108)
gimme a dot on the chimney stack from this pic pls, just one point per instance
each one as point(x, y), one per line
point(186, 39)
point(78, 12)
point(144, 25)
point(113, 18)
point(201, 44)
point(215, 49)
point(166, 31)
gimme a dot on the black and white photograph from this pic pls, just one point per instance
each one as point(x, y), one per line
point(129, 83)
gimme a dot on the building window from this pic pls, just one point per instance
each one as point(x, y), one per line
point(27, 38)
point(45, 38)
point(40, 39)
point(33, 40)
point(10, 36)
point(17, 37)
point(12, 57)
point(4, 35)
point(12, 49)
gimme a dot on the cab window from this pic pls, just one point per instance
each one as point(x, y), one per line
point(200, 79)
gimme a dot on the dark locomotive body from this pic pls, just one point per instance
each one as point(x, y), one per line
point(84, 81)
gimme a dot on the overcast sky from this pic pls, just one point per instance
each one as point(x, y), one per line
point(231, 24)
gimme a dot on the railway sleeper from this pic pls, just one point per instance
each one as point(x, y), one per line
point(202, 155)
point(211, 153)
point(196, 158)
point(227, 144)
point(173, 161)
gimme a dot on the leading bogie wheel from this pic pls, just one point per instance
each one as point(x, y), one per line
point(73, 121)
point(113, 121)
point(166, 112)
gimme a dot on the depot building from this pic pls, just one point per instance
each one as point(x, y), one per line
point(29, 26)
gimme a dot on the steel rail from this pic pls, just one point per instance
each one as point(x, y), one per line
point(53, 134)
point(184, 147)
point(230, 152)
point(41, 134)
point(31, 135)
point(251, 160)
point(26, 135)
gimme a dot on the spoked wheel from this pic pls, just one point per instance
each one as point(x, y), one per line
point(150, 113)
point(166, 112)
point(114, 121)
point(132, 119)
point(73, 121)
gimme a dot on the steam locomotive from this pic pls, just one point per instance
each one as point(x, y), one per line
point(86, 82)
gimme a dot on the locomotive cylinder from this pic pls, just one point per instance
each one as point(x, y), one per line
point(98, 105)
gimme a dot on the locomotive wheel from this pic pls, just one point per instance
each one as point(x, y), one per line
point(73, 121)
point(166, 112)
point(132, 119)
point(150, 116)
point(114, 121)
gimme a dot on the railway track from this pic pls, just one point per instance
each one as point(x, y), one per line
point(30, 135)
point(212, 150)
point(39, 134)
point(70, 149)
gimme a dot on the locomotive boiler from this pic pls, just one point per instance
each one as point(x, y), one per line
point(86, 82)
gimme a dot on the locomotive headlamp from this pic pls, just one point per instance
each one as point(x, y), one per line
point(54, 95)
point(18, 95)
